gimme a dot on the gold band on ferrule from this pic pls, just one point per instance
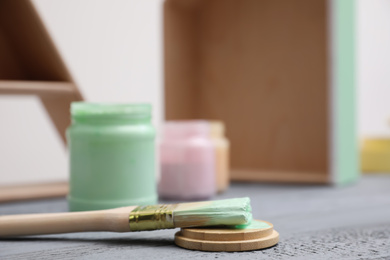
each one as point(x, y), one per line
point(152, 217)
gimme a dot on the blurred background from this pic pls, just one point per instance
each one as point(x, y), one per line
point(114, 52)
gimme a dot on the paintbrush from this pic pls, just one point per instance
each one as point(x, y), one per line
point(133, 218)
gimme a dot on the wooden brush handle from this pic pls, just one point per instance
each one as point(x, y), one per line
point(116, 220)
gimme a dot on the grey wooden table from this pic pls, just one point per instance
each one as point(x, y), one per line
point(315, 222)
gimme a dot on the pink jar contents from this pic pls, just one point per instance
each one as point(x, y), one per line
point(187, 161)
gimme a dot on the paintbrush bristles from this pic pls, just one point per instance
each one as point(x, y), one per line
point(213, 213)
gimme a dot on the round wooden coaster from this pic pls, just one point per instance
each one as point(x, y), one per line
point(258, 235)
point(257, 229)
point(227, 246)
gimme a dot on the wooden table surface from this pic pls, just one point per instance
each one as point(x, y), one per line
point(314, 222)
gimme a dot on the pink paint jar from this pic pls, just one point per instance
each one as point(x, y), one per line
point(187, 161)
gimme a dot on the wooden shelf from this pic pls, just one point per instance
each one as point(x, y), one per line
point(31, 65)
point(315, 177)
point(261, 67)
point(40, 88)
point(33, 191)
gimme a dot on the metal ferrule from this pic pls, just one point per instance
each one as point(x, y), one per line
point(152, 217)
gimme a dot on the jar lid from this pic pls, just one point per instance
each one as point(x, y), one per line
point(186, 128)
point(85, 109)
point(217, 129)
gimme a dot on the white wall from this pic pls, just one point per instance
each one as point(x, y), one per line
point(113, 49)
point(373, 67)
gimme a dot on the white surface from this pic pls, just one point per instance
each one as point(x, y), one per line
point(30, 150)
point(113, 50)
point(373, 67)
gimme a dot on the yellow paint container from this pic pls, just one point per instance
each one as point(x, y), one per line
point(221, 144)
point(375, 155)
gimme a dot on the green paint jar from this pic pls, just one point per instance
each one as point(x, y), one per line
point(112, 156)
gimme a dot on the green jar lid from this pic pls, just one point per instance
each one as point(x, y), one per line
point(86, 109)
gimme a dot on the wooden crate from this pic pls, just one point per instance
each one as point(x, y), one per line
point(279, 73)
point(31, 65)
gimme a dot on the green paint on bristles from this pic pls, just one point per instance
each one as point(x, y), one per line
point(229, 212)
point(253, 225)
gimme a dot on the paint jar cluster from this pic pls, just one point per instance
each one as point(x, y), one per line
point(194, 160)
point(113, 164)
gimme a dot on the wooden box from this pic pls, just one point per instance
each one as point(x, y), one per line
point(279, 73)
point(31, 65)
